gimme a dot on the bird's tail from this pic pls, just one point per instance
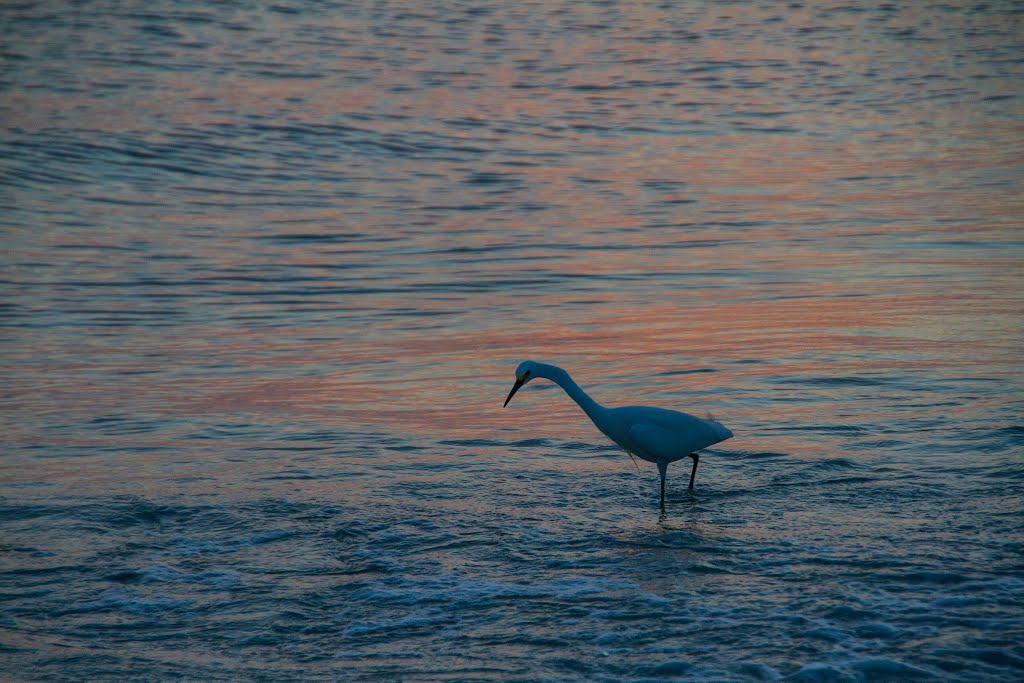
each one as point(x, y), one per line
point(721, 430)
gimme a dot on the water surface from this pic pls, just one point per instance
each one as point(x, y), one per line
point(268, 270)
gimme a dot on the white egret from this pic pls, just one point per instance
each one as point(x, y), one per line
point(653, 434)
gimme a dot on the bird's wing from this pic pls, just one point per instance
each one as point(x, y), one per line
point(659, 443)
point(675, 444)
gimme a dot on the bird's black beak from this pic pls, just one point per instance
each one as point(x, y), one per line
point(515, 388)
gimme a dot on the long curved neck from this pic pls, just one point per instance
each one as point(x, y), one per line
point(560, 377)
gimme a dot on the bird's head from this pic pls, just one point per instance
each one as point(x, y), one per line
point(526, 371)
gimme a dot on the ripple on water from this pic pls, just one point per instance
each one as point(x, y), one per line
point(267, 274)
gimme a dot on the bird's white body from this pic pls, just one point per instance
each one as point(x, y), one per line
point(653, 434)
point(657, 434)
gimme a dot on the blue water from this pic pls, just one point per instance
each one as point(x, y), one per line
point(268, 269)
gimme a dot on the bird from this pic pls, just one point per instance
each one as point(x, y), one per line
point(656, 435)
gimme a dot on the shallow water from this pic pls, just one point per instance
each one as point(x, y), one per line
point(268, 270)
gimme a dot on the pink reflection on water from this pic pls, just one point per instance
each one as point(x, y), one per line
point(787, 261)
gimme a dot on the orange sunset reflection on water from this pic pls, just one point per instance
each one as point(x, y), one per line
point(374, 242)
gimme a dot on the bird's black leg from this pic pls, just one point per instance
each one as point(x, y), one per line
point(693, 473)
point(662, 470)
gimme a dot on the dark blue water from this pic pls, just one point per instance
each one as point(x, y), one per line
point(267, 271)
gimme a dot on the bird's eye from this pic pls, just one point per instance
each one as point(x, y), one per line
point(526, 374)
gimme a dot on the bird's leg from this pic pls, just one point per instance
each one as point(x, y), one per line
point(662, 469)
point(693, 473)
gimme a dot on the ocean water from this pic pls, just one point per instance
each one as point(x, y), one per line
point(268, 269)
